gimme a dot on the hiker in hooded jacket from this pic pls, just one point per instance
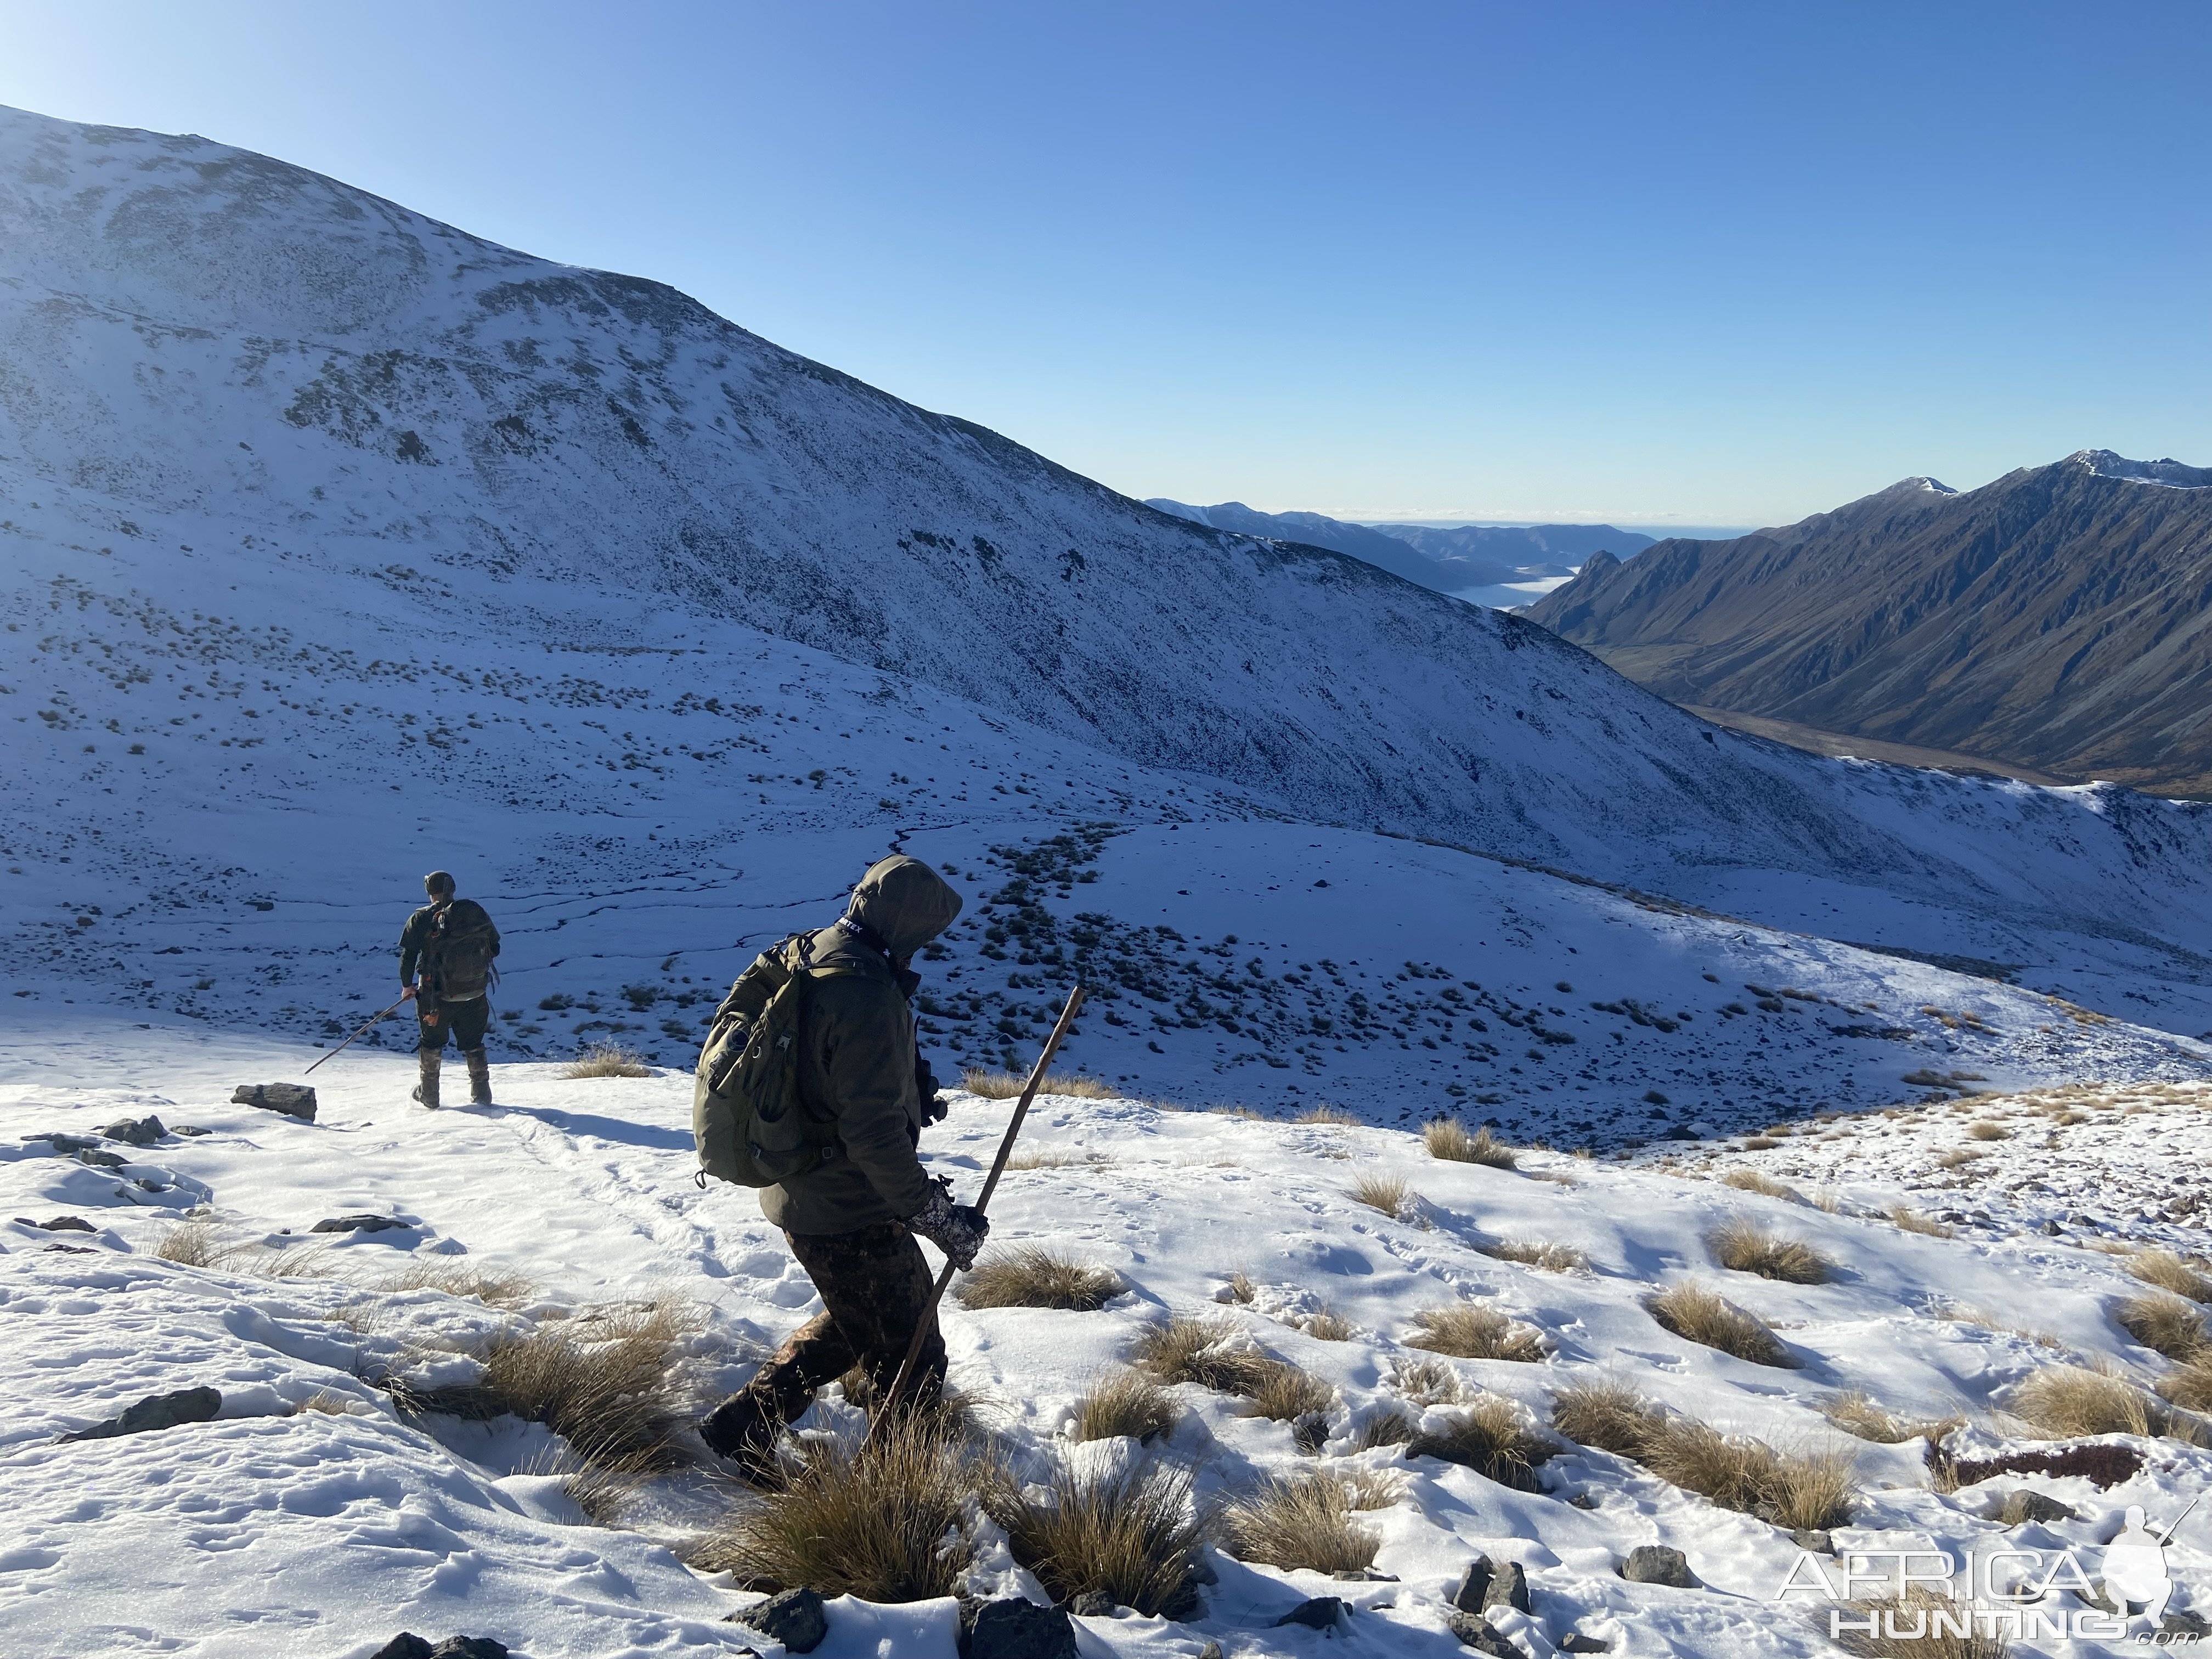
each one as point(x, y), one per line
point(450, 944)
point(849, 1191)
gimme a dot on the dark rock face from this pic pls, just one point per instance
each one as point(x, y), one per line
point(358, 1224)
point(1476, 1633)
point(2051, 620)
point(795, 1618)
point(1655, 1563)
point(1017, 1629)
point(405, 1646)
point(1819, 1543)
point(468, 1647)
point(139, 1131)
point(101, 1160)
point(1093, 1604)
point(1509, 1589)
point(60, 1223)
point(292, 1099)
point(1473, 1592)
point(1575, 1642)
point(156, 1410)
point(1321, 1612)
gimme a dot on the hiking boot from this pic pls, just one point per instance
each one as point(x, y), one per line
point(739, 1431)
point(426, 1092)
point(479, 1078)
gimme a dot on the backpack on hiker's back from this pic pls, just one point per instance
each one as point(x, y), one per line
point(747, 1118)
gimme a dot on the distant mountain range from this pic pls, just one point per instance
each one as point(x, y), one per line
point(1449, 559)
point(2059, 619)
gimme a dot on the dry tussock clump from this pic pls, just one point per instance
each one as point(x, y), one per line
point(1761, 1144)
point(1428, 1383)
point(1387, 1427)
point(1372, 1489)
point(327, 1401)
point(1285, 1394)
point(1530, 1253)
point(1984, 1129)
point(2064, 1402)
point(601, 1383)
point(1331, 1115)
point(2189, 1385)
point(1911, 1221)
point(1608, 1415)
point(1751, 1181)
point(2165, 1323)
point(1469, 1331)
point(1328, 1325)
point(1125, 1406)
point(1032, 1276)
point(1304, 1521)
point(1743, 1247)
point(2170, 1273)
point(1854, 1413)
point(1385, 1192)
point(1206, 1351)
point(1697, 1315)
point(1045, 1158)
point(1448, 1139)
point(1926, 1626)
point(1491, 1436)
point(1958, 1156)
point(1133, 1535)
point(194, 1244)
point(870, 1523)
point(1792, 1490)
point(492, 1288)
point(607, 1059)
point(1005, 1085)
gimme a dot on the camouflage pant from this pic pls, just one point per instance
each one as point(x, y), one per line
point(875, 1288)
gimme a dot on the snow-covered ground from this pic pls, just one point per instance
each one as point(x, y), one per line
point(276, 1530)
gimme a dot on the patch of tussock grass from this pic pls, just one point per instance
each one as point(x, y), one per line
point(2168, 1271)
point(1609, 1414)
point(1910, 1220)
point(1372, 1489)
point(1125, 1405)
point(1387, 1427)
point(1753, 1181)
point(1530, 1253)
point(607, 1059)
point(2189, 1385)
point(1761, 1144)
point(1958, 1156)
point(1207, 1352)
point(1697, 1315)
point(1449, 1140)
point(1927, 1625)
point(870, 1522)
point(1984, 1129)
point(1035, 1276)
point(1328, 1325)
point(1743, 1246)
point(1855, 1414)
point(486, 1284)
point(1789, 1489)
point(1336, 1115)
point(1285, 1393)
point(1429, 1382)
point(601, 1383)
point(1491, 1435)
point(1378, 1191)
point(1005, 1085)
point(327, 1401)
point(1132, 1533)
point(1045, 1157)
point(1467, 1330)
point(2066, 1402)
point(195, 1245)
point(2165, 1323)
point(1300, 1521)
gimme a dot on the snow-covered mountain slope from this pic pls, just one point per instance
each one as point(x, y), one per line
point(313, 1516)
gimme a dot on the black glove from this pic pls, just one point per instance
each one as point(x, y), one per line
point(934, 1106)
point(934, 1109)
point(958, 1229)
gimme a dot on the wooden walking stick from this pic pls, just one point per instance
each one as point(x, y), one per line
point(365, 1025)
point(928, 1322)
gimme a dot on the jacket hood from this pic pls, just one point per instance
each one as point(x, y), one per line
point(905, 903)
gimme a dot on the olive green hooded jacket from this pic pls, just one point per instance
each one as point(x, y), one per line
point(856, 1057)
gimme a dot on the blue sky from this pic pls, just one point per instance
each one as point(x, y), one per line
point(1701, 263)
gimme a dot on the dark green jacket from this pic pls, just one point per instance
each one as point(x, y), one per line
point(455, 958)
point(856, 1059)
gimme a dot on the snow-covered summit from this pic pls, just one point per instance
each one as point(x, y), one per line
point(2170, 472)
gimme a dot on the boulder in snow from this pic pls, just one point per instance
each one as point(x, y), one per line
point(794, 1617)
point(1476, 1633)
point(1017, 1629)
point(60, 1223)
point(292, 1099)
point(1319, 1612)
point(358, 1223)
point(1655, 1563)
point(155, 1410)
point(136, 1132)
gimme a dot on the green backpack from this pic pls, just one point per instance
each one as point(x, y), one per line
point(747, 1119)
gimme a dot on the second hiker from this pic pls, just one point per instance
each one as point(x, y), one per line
point(453, 944)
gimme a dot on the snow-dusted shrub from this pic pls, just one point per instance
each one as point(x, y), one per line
point(1378, 1191)
point(1609, 1414)
point(1697, 1315)
point(1387, 1427)
point(1303, 1521)
point(2170, 1273)
point(2165, 1323)
point(2060, 1402)
point(1854, 1413)
point(194, 1244)
point(1911, 1221)
point(601, 1383)
point(1033, 1276)
point(1751, 1181)
point(607, 1059)
point(1124, 1404)
point(1134, 1534)
point(1743, 1246)
point(1799, 1489)
point(1327, 1326)
point(1428, 1381)
point(1533, 1253)
point(871, 1522)
point(1447, 1138)
point(1287, 1394)
point(1207, 1352)
point(2189, 1385)
point(1490, 1436)
point(1372, 1489)
point(1467, 1330)
point(1984, 1129)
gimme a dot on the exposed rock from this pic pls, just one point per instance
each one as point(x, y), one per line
point(405, 1646)
point(1320, 1612)
point(1203, 1570)
point(1509, 1589)
point(358, 1223)
point(1473, 1590)
point(70, 1250)
point(100, 1160)
point(794, 1617)
point(1655, 1563)
point(190, 1129)
point(60, 1223)
point(136, 1132)
point(2192, 1625)
point(2022, 1505)
point(468, 1647)
point(1015, 1628)
point(1575, 1642)
point(1819, 1543)
point(62, 1143)
point(1581, 1500)
point(156, 1410)
point(1211, 1650)
point(1475, 1632)
point(1093, 1604)
point(292, 1099)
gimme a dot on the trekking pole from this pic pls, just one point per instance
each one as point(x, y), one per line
point(365, 1025)
point(928, 1322)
